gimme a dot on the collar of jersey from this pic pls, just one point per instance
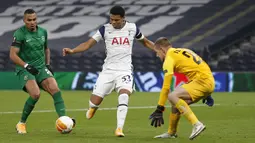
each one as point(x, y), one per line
point(122, 27)
point(32, 31)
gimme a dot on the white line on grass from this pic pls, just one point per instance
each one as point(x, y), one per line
point(85, 109)
point(114, 108)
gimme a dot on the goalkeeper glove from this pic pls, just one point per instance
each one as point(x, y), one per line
point(31, 69)
point(208, 101)
point(157, 116)
point(50, 69)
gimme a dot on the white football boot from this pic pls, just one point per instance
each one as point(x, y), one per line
point(197, 129)
point(166, 135)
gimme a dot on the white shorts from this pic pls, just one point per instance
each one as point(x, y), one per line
point(108, 81)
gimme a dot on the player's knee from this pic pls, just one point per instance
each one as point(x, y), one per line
point(35, 94)
point(36, 97)
point(53, 88)
point(124, 91)
point(189, 102)
point(53, 91)
point(171, 97)
point(123, 99)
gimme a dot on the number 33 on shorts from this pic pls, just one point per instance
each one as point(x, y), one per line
point(126, 79)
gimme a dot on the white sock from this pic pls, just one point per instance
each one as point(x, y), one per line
point(122, 110)
point(92, 105)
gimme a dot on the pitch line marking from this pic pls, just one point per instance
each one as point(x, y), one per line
point(85, 109)
point(114, 108)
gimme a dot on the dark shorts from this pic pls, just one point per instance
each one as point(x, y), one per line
point(24, 76)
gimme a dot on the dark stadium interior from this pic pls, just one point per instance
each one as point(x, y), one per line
point(224, 37)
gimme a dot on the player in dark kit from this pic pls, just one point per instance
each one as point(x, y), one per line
point(31, 55)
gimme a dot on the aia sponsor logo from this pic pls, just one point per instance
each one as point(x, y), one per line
point(120, 41)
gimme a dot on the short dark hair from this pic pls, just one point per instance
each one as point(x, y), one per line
point(29, 11)
point(117, 10)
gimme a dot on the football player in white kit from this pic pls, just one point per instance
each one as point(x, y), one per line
point(116, 74)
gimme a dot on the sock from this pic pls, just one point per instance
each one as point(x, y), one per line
point(59, 104)
point(173, 122)
point(92, 105)
point(184, 108)
point(28, 108)
point(122, 110)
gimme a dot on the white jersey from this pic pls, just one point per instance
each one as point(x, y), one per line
point(119, 44)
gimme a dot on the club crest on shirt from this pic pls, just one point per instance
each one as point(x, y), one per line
point(43, 38)
point(25, 77)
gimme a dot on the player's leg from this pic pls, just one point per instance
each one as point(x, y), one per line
point(122, 110)
point(49, 84)
point(174, 118)
point(29, 85)
point(124, 87)
point(177, 99)
point(104, 86)
point(94, 102)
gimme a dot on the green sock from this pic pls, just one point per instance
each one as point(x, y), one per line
point(59, 104)
point(28, 108)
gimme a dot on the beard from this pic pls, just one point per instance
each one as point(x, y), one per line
point(32, 28)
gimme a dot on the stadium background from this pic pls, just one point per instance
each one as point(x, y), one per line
point(222, 32)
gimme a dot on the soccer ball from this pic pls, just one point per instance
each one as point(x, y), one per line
point(64, 124)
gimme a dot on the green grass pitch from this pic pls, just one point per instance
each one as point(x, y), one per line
point(231, 120)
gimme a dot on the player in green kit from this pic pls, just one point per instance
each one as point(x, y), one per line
point(31, 55)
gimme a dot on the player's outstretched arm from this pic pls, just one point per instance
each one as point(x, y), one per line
point(165, 90)
point(157, 116)
point(168, 69)
point(147, 43)
point(82, 47)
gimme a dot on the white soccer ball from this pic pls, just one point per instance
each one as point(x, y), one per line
point(64, 124)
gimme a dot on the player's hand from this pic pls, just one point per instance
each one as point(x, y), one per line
point(157, 116)
point(31, 69)
point(208, 101)
point(50, 69)
point(67, 51)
